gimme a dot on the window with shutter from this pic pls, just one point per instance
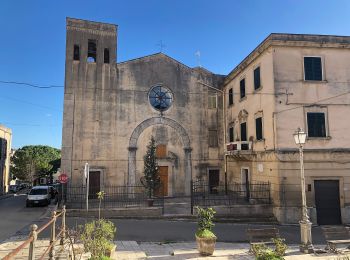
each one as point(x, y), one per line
point(244, 131)
point(316, 124)
point(230, 133)
point(242, 88)
point(161, 151)
point(258, 128)
point(211, 101)
point(230, 96)
point(313, 68)
point(257, 84)
point(213, 138)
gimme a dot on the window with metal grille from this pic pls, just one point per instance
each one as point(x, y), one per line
point(242, 88)
point(211, 100)
point(258, 128)
point(257, 84)
point(106, 55)
point(230, 96)
point(230, 134)
point(316, 124)
point(91, 51)
point(161, 151)
point(76, 52)
point(244, 131)
point(313, 68)
point(213, 138)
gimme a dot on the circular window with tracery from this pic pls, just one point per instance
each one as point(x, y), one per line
point(160, 98)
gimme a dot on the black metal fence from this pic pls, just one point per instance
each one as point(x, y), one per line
point(114, 197)
point(204, 195)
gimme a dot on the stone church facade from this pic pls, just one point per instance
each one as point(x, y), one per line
point(111, 110)
point(221, 129)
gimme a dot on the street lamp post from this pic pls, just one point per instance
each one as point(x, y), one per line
point(305, 223)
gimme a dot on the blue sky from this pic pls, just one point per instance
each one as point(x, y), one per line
point(32, 45)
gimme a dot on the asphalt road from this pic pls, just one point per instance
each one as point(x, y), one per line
point(14, 215)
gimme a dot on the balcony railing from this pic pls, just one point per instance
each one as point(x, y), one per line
point(238, 146)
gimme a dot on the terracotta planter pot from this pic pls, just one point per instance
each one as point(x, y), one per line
point(206, 245)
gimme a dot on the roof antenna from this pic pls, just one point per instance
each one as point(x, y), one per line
point(198, 55)
point(161, 46)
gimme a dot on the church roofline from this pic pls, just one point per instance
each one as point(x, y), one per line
point(292, 40)
point(168, 57)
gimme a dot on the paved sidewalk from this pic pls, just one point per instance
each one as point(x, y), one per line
point(132, 250)
point(188, 250)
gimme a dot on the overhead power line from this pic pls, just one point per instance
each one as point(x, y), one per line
point(31, 85)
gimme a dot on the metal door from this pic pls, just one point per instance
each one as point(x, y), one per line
point(94, 184)
point(327, 202)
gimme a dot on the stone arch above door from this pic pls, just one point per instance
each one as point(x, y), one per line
point(133, 148)
point(159, 121)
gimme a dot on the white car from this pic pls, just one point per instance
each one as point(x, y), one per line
point(39, 195)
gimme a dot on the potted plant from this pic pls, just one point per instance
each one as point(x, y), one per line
point(98, 235)
point(204, 236)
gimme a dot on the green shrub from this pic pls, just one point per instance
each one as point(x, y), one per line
point(262, 252)
point(97, 237)
point(205, 222)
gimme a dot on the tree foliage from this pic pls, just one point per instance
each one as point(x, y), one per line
point(151, 179)
point(32, 161)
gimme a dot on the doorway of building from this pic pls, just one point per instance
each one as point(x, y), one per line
point(327, 202)
point(94, 184)
point(214, 179)
point(163, 174)
point(245, 183)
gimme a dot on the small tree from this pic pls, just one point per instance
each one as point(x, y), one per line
point(100, 196)
point(151, 179)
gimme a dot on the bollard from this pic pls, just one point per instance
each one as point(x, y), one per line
point(63, 234)
point(33, 234)
point(53, 236)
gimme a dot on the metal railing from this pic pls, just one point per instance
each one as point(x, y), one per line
point(205, 195)
point(114, 197)
point(33, 236)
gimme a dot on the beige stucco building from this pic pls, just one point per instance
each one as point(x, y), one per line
point(112, 109)
point(5, 150)
point(292, 81)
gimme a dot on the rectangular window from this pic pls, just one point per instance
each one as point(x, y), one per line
point(213, 138)
point(230, 96)
point(212, 101)
point(244, 131)
point(230, 134)
point(242, 88)
point(316, 124)
point(258, 128)
point(106, 56)
point(313, 68)
point(257, 84)
point(91, 51)
point(76, 52)
point(161, 151)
